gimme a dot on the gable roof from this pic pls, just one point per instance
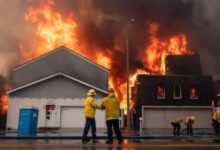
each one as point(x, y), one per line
point(57, 49)
point(62, 60)
point(53, 76)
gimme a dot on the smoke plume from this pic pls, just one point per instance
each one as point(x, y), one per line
point(106, 25)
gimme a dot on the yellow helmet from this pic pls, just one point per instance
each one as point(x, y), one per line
point(91, 92)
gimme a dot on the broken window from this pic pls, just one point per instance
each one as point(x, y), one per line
point(177, 92)
point(160, 92)
point(194, 92)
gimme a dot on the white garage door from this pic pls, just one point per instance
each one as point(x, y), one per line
point(161, 118)
point(73, 117)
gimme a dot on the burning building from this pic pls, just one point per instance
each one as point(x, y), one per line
point(56, 83)
point(182, 91)
point(98, 30)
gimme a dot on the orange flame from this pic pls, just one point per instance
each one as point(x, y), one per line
point(53, 30)
point(4, 101)
point(103, 60)
point(157, 51)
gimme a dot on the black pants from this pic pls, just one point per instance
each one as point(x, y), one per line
point(115, 124)
point(176, 128)
point(189, 130)
point(216, 126)
point(90, 122)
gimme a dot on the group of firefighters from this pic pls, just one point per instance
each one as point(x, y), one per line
point(112, 108)
point(190, 121)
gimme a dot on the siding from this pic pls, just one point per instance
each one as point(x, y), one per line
point(16, 103)
point(57, 87)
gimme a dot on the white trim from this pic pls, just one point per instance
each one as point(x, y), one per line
point(54, 75)
point(57, 49)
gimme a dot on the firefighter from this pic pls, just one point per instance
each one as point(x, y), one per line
point(215, 121)
point(189, 123)
point(89, 112)
point(176, 126)
point(112, 107)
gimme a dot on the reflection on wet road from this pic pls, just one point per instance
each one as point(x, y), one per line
point(178, 144)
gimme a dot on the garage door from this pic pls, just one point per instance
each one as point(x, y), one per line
point(73, 117)
point(161, 118)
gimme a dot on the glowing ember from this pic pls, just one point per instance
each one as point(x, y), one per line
point(158, 49)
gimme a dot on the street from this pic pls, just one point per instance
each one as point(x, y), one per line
point(188, 143)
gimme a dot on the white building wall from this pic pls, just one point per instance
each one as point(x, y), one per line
point(15, 104)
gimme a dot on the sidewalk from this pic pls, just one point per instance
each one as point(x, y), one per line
point(101, 133)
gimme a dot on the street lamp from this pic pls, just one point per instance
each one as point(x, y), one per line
point(127, 77)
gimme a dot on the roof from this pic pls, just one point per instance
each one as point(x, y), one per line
point(55, 75)
point(57, 49)
point(65, 61)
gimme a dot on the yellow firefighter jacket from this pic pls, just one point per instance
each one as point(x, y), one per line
point(90, 107)
point(177, 121)
point(216, 115)
point(190, 120)
point(112, 106)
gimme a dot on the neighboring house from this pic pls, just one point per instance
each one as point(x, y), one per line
point(159, 99)
point(57, 83)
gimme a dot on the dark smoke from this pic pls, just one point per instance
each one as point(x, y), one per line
point(2, 82)
point(106, 25)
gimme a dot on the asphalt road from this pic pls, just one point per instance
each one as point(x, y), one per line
point(184, 144)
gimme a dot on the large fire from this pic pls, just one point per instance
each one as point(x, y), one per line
point(54, 30)
point(156, 52)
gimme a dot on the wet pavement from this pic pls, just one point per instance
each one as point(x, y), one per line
point(77, 133)
point(183, 144)
point(203, 139)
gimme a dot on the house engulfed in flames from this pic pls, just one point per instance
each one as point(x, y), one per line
point(56, 83)
point(182, 91)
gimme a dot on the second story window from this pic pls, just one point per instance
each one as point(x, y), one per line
point(194, 92)
point(177, 92)
point(160, 92)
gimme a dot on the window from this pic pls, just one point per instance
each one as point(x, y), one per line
point(177, 92)
point(49, 109)
point(194, 92)
point(160, 92)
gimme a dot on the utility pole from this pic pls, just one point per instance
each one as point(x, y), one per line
point(127, 80)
